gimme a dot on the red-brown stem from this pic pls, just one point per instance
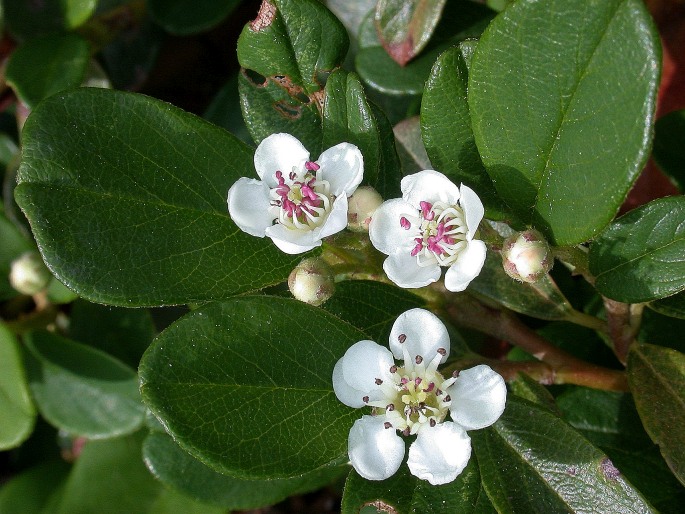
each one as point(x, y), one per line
point(623, 320)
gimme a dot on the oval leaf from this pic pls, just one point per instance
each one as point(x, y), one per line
point(18, 413)
point(656, 377)
point(188, 16)
point(531, 461)
point(669, 152)
point(145, 187)
point(673, 306)
point(81, 390)
point(246, 386)
point(562, 97)
point(641, 256)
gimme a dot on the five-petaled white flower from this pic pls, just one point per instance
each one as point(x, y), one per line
point(297, 202)
point(414, 398)
point(432, 225)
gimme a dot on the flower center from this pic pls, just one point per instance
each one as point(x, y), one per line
point(441, 233)
point(302, 200)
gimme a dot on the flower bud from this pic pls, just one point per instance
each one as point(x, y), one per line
point(28, 274)
point(312, 281)
point(360, 207)
point(527, 256)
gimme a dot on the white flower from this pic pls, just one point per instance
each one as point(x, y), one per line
point(432, 225)
point(414, 398)
point(297, 202)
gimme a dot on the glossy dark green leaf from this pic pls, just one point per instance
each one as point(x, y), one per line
point(446, 126)
point(371, 306)
point(269, 109)
point(109, 476)
point(661, 330)
point(461, 19)
point(540, 300)
point(563, 117)
point(147, 221)
point(18, 412)
point(641, 256)
point(28, 18)
point(403, 493)
point(42, 67)
point(14, 243)
point(673, 306)
point(657, 380)
point(122, 333)
point(533, 391)
point(246, 386)
point(410, 147)
point(404, 28)
point(81, 390)
point(224, 111)
point(297, 41)
point(171, 502)
point(532, 461)
point(58, 293)
point(189, 16)
point(668, 151)
point(389, 176)
point(29, 491)
point(178, 469)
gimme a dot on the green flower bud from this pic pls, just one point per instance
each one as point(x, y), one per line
point(312, 281)
point(28, 274)
point(527, 256)
point(360, 207)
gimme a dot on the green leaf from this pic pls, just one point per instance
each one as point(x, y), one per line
point(446, 126)
point(185, 17)
point(58, 293)
point(284, 42)
point(176, 468)
point(673, 306)
point(18, 412)
point(28, 18)
point(42, 67)
point(372, 307)
point(147, 221)
point(348, 117)
point(533, 391)
point(246, 386)
point(661, 330)
point(81, 390)
point(109, 476)
point(461, 19)
point(411, 151)
point(656, 377)
point(29, 491)
point(122, 333)
point(540, 300)
point(562, 96)
point(531, 461)
point(403, 493)
point(668, 151)
point(224, 111)
point(641, 256)
point(404, 28)
point(13, 245)
point(171, 502)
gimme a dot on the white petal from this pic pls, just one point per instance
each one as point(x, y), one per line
point(423, 334)
point(343, 167)
point(467, 266)
point(292, 241)
point(386, 232)
point(473, 210)
point(336, 221)
point(478, 397)
point(439, 453)
point(343, 391)
point(429, 186)
point(404, 271)
point(248, 206)
point(279, 152)
point(363, 363)
point(375, 452)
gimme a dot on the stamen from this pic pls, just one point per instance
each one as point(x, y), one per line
point(311, 166)
point(442, 351)
point(404, 223)
point(432, 422)
point(365, 399)
point(378, 381)
point(418, 359)
point(402, 338)
point(447, 399)
point(387, 424)
point(406, 432)
point(390, 407)
point(393, 369)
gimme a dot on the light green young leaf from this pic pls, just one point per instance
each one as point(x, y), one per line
point(641, 255)
point(148, 222)
point(656, 376)
point(532, 461)
point(18, 412)
point(82, 390)
point(29, 491)
point(562, 97)
point(246, 386)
